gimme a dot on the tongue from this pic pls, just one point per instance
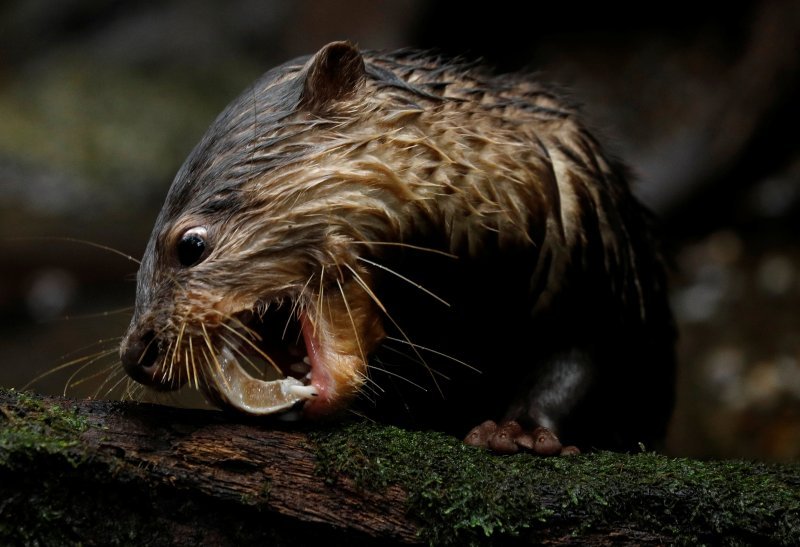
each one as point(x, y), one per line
point(243, 392)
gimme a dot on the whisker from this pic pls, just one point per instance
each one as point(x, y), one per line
point(138, 392)
point(404, 278)
point(394, 374)
point(108, 371)
point(126, 392)
point(319, 296)
point(112, 388)
point(180, 334)
point(187, 366)
point(176, 352)
point(204, 377)
point(83, 367)
point(378, 303)
point(366, 394)
point(171, 349)
point(429, 350)
point(294, 307)
point(255, 347)
point(98, 314)
point(81, 241)
point(242, 355)
point(409, 246)
point(204, 354)
point(79, 360)
point(252, 333)
point(129, 389)
point(93, 344)
point(353, 324)
point(413, 360)
point(194, 364)
point(371, 384)
point(117, 374)
point(360, 415)
point(214, 356)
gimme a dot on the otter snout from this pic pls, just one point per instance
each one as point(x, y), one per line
point(139, 353)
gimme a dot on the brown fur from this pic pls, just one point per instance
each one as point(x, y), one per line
point(326, 161)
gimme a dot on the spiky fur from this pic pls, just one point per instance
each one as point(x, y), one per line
point(425, 151)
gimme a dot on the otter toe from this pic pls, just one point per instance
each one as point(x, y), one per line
point(509, 437)
point(480, 434)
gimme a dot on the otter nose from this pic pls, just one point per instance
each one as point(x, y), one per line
point(138, 354)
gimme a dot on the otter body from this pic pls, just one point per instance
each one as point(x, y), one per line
point(415, 239)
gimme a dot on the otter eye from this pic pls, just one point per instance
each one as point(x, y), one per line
point(192, 246)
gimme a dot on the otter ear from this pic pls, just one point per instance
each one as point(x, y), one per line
point(334, 73)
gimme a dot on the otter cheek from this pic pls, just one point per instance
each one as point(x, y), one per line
point(336, 377)
point(338, 344)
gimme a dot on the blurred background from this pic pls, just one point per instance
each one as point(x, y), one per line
point(100, 102)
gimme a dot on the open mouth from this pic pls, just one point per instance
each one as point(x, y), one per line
point(308, 356)
point(268, 361)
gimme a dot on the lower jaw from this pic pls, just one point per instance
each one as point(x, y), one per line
point(229, 385)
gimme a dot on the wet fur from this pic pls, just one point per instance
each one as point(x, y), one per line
point(557, 293)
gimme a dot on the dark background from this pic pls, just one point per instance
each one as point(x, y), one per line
point(100, 102)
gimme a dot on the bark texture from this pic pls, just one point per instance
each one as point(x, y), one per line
point(96, 472)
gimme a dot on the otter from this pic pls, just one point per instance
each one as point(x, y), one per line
point(417, 239)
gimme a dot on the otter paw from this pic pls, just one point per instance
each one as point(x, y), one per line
point(509, 437)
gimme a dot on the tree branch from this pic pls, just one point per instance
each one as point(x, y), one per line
point(97, 472)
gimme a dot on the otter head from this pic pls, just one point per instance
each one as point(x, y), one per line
point(251, 288)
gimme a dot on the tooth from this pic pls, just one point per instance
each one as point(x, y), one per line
point(306, 392)
point(300, 368)
point(307, 376)
point(306, 360)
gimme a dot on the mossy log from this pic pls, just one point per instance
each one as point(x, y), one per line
point(96, 472)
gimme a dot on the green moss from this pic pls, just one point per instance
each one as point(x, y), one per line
point(38, 427)
point(457, 494)
point(460, 494)
point(34, 428)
